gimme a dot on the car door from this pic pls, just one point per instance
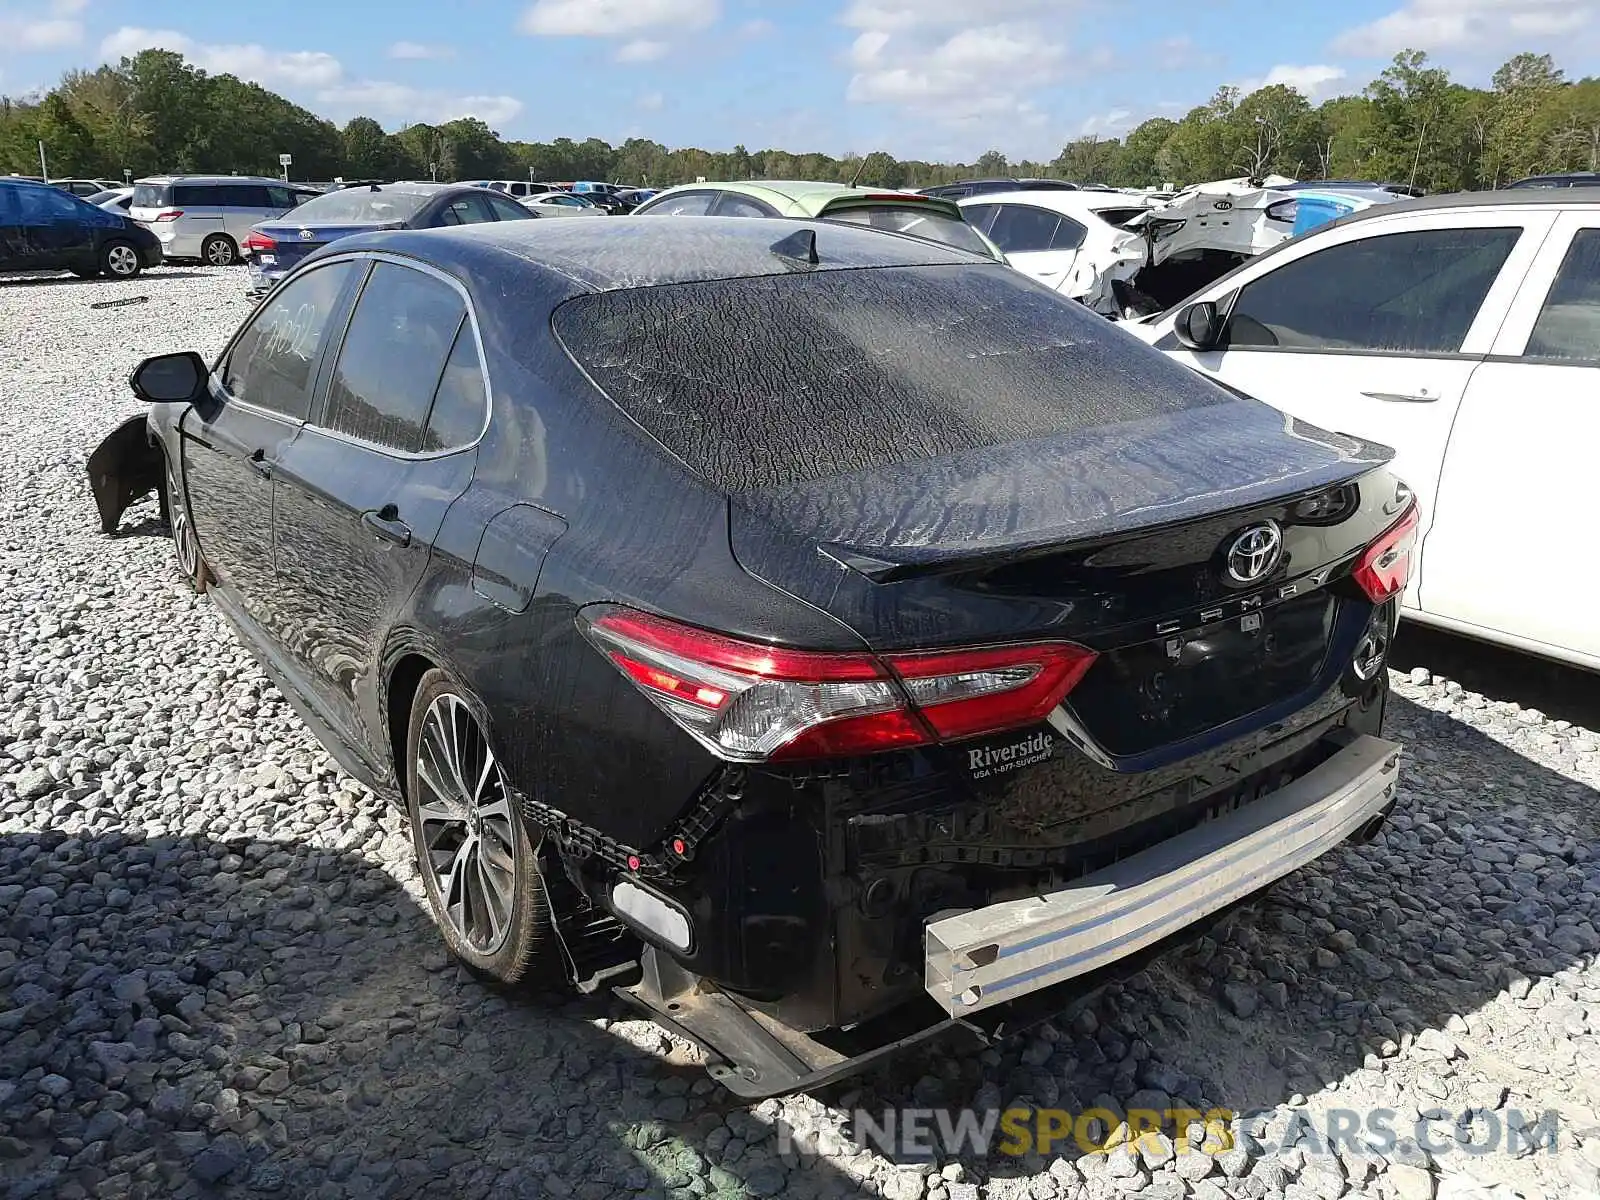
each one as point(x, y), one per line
point(15, 250)
point(1375, 330)
point(1036, 241)
point(57, 229)
point(1509, 554)
point(259, 396)
point(204, 209)
point(359, 496)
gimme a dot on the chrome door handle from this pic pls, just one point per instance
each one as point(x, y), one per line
point(1420, 396)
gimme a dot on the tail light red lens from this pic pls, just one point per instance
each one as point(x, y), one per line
point(257, 242)
point(172, 214)
point(1384, 567)
point(747, 702)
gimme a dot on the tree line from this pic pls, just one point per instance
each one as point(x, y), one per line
point(154, 113)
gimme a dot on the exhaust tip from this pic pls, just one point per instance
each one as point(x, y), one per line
point(1371, 829)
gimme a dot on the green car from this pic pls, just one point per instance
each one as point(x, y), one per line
point(929, 217)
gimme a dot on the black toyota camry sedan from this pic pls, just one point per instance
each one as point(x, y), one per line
point(825, 637)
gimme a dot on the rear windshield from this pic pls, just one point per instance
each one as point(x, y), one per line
point(1119, 216)
point(360, 206)
point(758, 383)
point(151, 195)
point(908, 218)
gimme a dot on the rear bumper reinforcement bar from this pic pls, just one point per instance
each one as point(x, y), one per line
point(996, 954)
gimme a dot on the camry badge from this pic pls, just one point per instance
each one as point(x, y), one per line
point(1254, 553)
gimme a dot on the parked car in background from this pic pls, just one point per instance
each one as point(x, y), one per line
point(961, 189)
point(1072, 242)
point(274, 248)
point(518, 189)
point(1570, 179)
point(83, 187)
point(937, 646)
point(1464, 331)
point(207, 217)
point(44, 228)
point(115, 199)
point(563, 204)
point(633, 197)
point(928, 217)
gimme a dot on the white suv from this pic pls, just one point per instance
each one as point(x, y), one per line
point(209, 216)
point(1464, 331)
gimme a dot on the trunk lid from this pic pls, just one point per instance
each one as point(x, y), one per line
point(296, 241)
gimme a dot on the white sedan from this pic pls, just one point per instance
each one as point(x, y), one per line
point(1463, 331)
point(562, 204)
point(1072, 242)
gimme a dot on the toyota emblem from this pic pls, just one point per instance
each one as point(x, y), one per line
point(1254, 553)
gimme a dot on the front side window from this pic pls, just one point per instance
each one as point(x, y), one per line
point(270, 365)
point(244, 195)
point(280, 197)
point(392, 358)
point(1415, 292)
point(51, 206)
point(1569, 323)
point(1023, 229)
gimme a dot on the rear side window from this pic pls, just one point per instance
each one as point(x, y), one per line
point(506, 210)
point(733, 204)
point(244, 195)
point(460, 402)
point(1415, 292)
point(684, 204)
point(468, 210)
point(196, 195)
point(758, 383)
point(1023, 229)
point(152, 195)
point(393, 354)
point(270, 364)
point(1569, 323)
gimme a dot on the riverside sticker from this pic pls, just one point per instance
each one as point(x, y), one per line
point(986, 761)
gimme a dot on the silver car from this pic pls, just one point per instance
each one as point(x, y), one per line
point(209, 216)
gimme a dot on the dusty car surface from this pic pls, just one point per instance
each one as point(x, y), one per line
point(826, 637)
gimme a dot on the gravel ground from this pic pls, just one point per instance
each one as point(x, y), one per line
point(216, 977)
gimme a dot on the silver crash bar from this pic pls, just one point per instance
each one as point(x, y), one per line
point(990, 955)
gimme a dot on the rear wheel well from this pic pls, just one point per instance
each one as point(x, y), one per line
point(403, 680)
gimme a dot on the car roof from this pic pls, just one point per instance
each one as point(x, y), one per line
point(598, 256)
point(209, 179)
point(796, 191)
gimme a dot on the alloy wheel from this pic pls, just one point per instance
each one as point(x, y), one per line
point(219, 252)
point(467, 836)
point(184, 540)
point(122, 261)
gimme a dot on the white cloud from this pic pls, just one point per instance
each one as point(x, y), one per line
point(933, 56)
point(1107, 125)
point(421, 50)
point(641, 50)
point(617, 18)
point(401, 102)
point(19, 33)
point(68, 8)
point(1443, 25)
point(1314, 81)
point(650, 101)
point(270, 68)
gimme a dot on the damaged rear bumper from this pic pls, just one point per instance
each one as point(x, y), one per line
point(991, 955)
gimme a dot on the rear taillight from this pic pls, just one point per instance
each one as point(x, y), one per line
point(1385, 566)
point(257, 242)
point(748, 702)
point(172, 214)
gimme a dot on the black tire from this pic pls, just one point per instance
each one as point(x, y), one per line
point(185, 542)
point(119, 260)
point(477, 854)
point(219, 250)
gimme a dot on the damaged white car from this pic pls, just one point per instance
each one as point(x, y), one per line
point(1128, 254)
point(1075, 243)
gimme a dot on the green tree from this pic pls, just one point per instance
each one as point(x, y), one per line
point(1137, 165)
point(991, 162)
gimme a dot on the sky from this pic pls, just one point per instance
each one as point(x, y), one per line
point(933, 79)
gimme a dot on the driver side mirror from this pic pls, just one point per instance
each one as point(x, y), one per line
point(169, 378)
point(1199, 326)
